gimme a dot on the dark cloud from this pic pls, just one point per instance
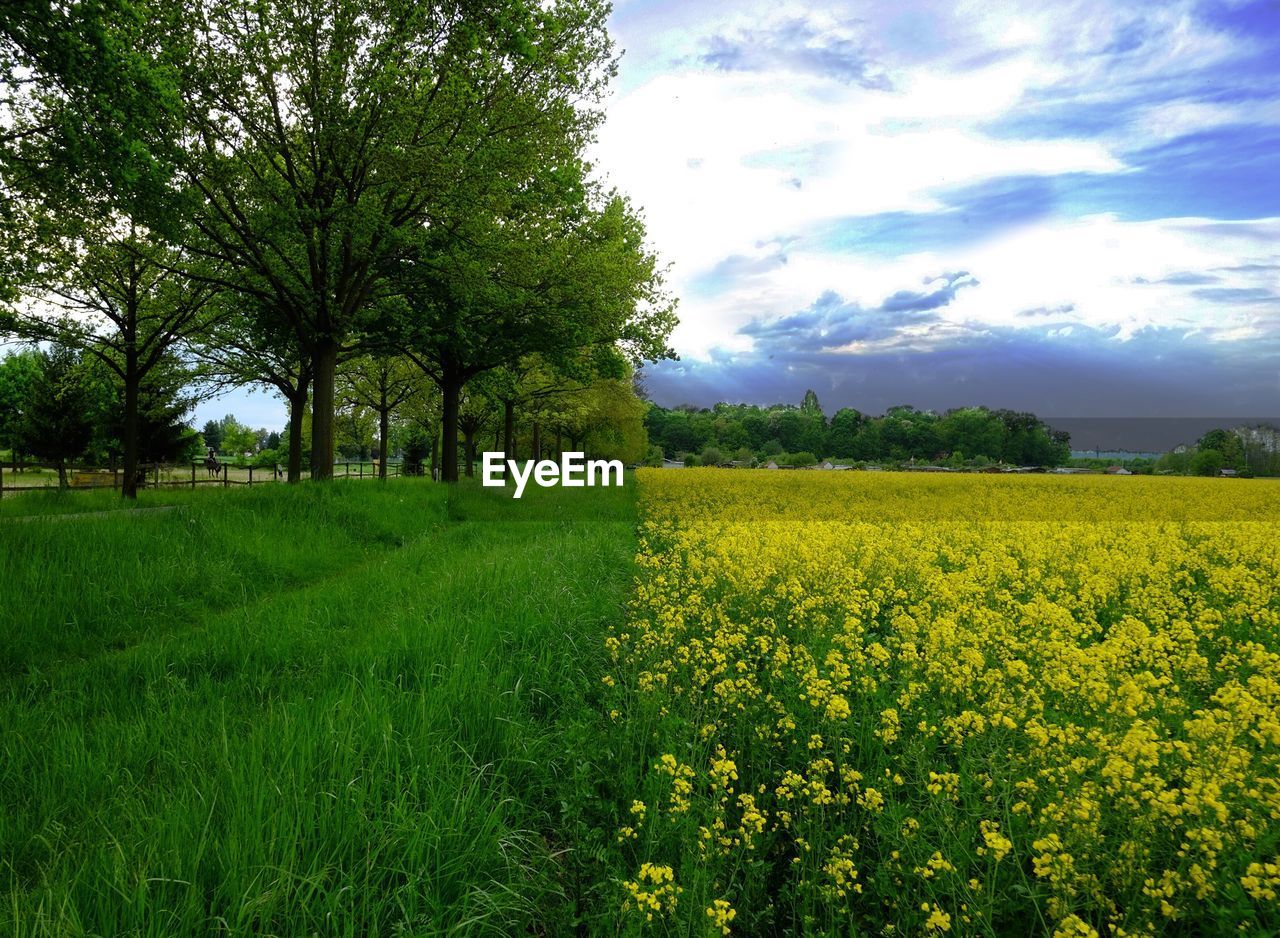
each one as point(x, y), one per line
point(909, 301)
point(1247, 295)
point(1250, 268)
point(1087, 372)
point(831, 323)
point(734, 268)
point(1186, 278)
point(796, 46)
point(1047, 311)
point(972, 214)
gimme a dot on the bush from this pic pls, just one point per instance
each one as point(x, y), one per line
point(1207, 462)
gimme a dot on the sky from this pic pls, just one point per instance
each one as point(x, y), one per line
point(1070, 208)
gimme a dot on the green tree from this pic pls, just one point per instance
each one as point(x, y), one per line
point(842, 435)
point(553, 276)
point(212, 435)
point(328, 135)
point(19, 372)
point(90, 118)
point(118, 299)
point(55, 419)
point(246, 345)
point(1207, 462)
point(379, 383)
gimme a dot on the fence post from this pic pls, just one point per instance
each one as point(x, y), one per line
point(226, 480)
point(1, 480)
point(251, 475)
point(361, 470)
point(193, 477)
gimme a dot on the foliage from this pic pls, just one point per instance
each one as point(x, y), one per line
point(19, 372)
point(54, 422)
point(900, 435)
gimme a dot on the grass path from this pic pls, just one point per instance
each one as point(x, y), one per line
point(385, 733)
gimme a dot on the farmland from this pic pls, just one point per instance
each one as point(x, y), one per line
point(709, 702)
point(891, 705)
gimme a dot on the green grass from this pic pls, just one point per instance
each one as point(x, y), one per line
point(348, 709)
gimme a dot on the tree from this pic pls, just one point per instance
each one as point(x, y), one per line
point(237, 439)
point(90, 116)
point(1226, 442)
point(119, 301)
point(325, 134)
point(212, 434)
point(19, 372)
point(561, 273)
point(55, 422)
point(380, 383)
point(842, 435)
point(1207, 462)
point(246, 344)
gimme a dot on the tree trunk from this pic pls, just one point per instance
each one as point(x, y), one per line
point(62, 475)
point(129, 485)
point(384, 431)
point(451, 389)
point(325, 366)
point(509, 428)
point(435, 454)
point(559, 443)
point(537, 441)
point(469, 452)
point(297, 411)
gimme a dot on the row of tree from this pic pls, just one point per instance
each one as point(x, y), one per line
point(334, 199)
point(746, 431)
point(64, 408)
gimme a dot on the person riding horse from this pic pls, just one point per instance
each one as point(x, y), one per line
point(211, 463)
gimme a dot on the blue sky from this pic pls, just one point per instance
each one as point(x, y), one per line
point(1068, 207)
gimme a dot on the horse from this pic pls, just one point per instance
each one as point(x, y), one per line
point(211, 465)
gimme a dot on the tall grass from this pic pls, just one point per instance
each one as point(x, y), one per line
point(338, 710)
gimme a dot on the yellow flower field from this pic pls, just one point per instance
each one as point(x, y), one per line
point(902, 704)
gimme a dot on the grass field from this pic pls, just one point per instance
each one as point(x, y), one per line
point(709, 702)
point(327, 710)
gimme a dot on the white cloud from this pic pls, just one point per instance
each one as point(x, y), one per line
point(728, 162)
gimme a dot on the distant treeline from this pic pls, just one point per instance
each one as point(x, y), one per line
point(743, 432)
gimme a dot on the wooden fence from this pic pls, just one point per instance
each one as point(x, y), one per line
point(160, 475)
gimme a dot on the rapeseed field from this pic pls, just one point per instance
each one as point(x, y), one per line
point(900, 705)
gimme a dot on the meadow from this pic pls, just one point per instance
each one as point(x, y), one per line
point(892, 704)
point(709, 702)
point(342, 710)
